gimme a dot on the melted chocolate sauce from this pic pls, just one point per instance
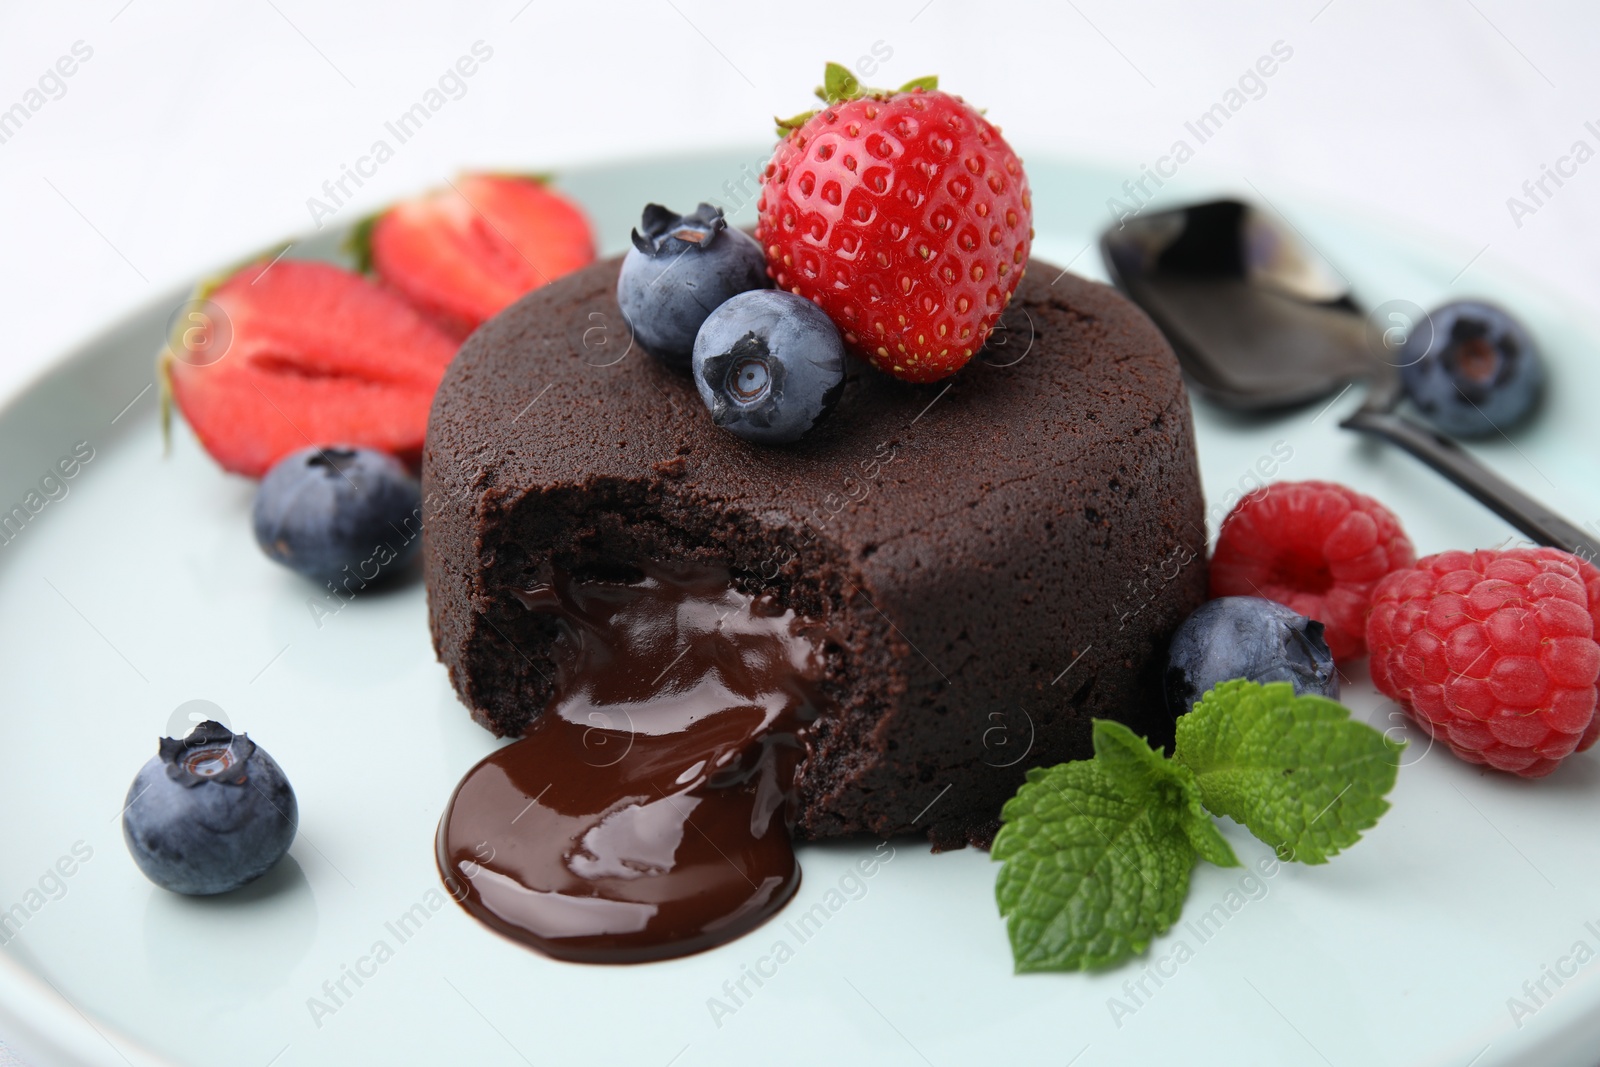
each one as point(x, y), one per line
point(646, 813)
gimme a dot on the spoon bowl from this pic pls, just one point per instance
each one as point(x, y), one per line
point(1261, 322)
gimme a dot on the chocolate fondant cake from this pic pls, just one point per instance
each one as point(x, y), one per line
point(996, 559)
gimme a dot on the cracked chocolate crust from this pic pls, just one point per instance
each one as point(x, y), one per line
point(1000, 557)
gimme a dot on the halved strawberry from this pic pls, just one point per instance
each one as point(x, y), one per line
point(464, 252)
point(317, 356)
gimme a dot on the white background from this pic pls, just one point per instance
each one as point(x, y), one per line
point(197, 131)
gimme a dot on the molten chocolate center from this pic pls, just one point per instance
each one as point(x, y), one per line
point(646, 813)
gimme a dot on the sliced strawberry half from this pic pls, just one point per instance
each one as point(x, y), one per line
point(464, 252)
point(317, 355)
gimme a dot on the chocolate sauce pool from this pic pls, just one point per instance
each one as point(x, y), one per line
point(646, 813)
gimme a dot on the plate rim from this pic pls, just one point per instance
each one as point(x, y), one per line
point(43, 1024)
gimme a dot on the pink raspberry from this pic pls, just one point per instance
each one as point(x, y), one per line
point(1493, 653)
point(1316, 546)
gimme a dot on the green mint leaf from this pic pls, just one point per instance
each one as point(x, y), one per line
point(1144, 773)
point(1092, 870)
point(1201, 830)
point(930, 82)
point(1129, 759)
point(1297, 771)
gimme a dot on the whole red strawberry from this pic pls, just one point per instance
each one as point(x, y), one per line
point(1318, 547)
point(904, 215)
point(1493, 653)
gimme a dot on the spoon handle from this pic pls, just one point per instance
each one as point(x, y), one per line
point(1501, 497)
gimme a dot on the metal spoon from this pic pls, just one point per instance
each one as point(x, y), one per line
point(1260, 322)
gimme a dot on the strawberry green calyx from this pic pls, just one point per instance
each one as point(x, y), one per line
point(839, 85)
point(357, 243)
point(537, 177)
point(164, 379)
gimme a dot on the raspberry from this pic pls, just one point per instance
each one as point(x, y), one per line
point(1493, 653)
point(1319, 548)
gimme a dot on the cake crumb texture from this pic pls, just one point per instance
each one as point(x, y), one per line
point(999, 557)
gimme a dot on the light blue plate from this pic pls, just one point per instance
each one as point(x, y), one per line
point(141, 588)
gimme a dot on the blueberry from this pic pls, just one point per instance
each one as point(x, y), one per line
point(769, 365)
point(1247, 637)
point(209, 812)
point(336, 512)
point(681, 269)
point(1472, 370)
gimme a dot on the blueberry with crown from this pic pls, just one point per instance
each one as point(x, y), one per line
point(209, 812)
point(680, 269)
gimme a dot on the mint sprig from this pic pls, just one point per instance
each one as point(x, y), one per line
point(1299, 773)
point(1096, 854)
point(1162, 785)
